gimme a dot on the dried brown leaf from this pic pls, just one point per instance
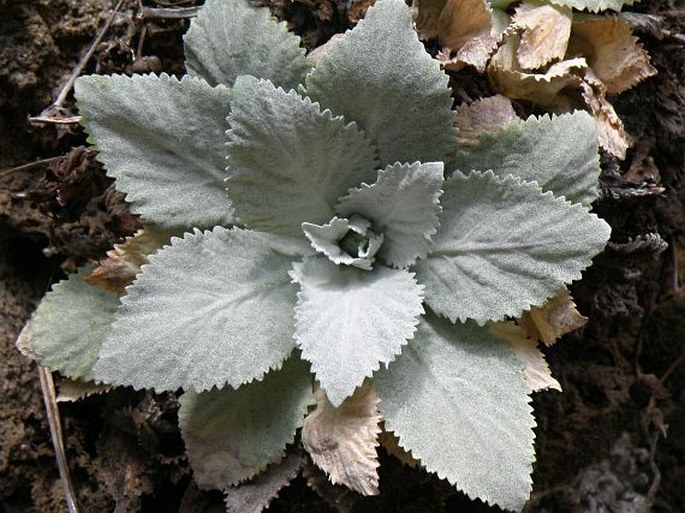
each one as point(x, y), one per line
point(461, 21)
point(255, 495)
point(391, 443)
point(610, 131)
point(613, 53)
point(427, 14)
point(536, 371)
point(342, 441)
point(540, 88)
point(556, 318)
point(71, 390)
point(123, 262)
point(485, 115)
point(545, 31)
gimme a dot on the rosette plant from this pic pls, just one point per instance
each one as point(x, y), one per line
point(334, 237)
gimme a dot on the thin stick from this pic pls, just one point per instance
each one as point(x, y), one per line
point(50, 398)
point(174, 13)
point(30, 165)
point(66, 89)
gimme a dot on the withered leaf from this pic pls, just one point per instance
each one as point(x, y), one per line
point(613, 53)
point(71, 390)
point(342, 441)
point(391, 443)
point(255, 495)
point(556, 318)
point(611, 134)
point(536, 371)
point(484, 115)
point(545, 31)
point(461, 21)
point(123, 262)
point(540, 88)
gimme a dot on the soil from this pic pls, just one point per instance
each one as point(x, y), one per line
point(613, 441)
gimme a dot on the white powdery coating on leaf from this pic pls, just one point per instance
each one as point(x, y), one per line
point(348, 321)
point(457, 399)
point(212, 308)
point(381, 77)
point(232, 435)
point(163, 140)
point(504, 245)
point(229, 38)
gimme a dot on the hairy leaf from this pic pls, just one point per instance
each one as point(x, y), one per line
point(66, 331)
point(595, 5)
point(232, 435)
point(255, 495)
point(163, 140)
point(288, 162)
point(536, 371)
point(71, 390)
point(485, 115)
point(558, 152)
point(212, 308)
point(403, 204)
point(349, 320)
point(503, 246)
point(229, 38)
point(343, 440)
point(380, 76)
point(457, 398)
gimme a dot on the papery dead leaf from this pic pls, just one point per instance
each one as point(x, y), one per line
point(557, 317)
point(545, 31)
point(540, 88)
point(426, 16)
point(254, 496)
point(536, 371)
point(71, 390)
point(391, 443)
point(461, 21)
point(123, 262)
point(613, 53)
point(342, 441)
point(610, 131)
point(485, 115)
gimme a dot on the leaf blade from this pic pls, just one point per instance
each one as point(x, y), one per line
point(558, 152)
point(232, 435)
point(289, 162)
point(162, 140)
point(67, 329)
point(196, 305)
point(349, 320)
point(352, 80)
point(503, 246)
point(232, 38)
point(471, 387)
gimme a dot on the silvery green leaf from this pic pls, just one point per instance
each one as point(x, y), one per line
point(328, 239)
point(380, 76)
point(288, 162)
point(595, 5)
point(403, 204)
point(210, 309)
point(458, 400)
point(349, 321)
point(557, 152)
point(68, 327)
point(504, 245)
point(232, 435)
point(229, 38)
point(163, 140)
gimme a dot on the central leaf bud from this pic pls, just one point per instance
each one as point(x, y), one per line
point(345, 241)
